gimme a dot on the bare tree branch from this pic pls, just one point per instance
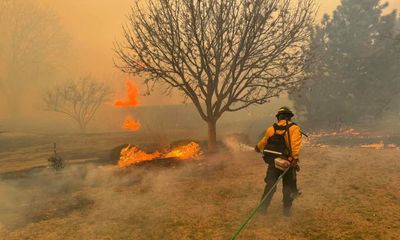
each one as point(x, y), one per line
point(78, 100)
point(223, 55)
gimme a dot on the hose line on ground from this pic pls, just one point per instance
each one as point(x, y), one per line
point(252, 213)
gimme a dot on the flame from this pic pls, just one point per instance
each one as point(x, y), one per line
point(132, 155)
point(191, 150)
point(131, 100)
point(376, 146)
point(131, 124)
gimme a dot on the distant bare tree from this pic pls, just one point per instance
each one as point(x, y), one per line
point(79, 100)
point(223, 55)
point(32, 43)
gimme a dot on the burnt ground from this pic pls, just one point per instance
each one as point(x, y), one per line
point(348, 193)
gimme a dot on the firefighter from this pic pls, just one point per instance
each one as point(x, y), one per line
point(283, 137)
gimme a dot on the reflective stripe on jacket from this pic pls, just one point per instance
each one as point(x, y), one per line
point(295, 138)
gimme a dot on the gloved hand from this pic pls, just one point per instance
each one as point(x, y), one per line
point(257, 149)
point(295, 163)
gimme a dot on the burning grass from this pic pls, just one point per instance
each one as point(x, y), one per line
point(356, 138)
point(131, 155)
point(344, 197)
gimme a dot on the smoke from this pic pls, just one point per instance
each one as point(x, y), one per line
point(42, 194)
point(34, 196)
point(235, 145)
point(90, 57)
point(200, 199)
point(143, 195)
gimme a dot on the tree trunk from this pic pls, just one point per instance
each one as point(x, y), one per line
point(82, 126)
point(212, 136)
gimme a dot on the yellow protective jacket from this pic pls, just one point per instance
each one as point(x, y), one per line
point(295, 138)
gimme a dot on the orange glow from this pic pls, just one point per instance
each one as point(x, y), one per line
point(131, 124)
point(132, 155)
point(131, 100)
point(374, 146)
point(189, 151)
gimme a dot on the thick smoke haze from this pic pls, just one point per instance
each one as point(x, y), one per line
point(91, 28)
point(349, 176)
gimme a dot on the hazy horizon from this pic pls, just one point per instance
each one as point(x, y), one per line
point(92, 27)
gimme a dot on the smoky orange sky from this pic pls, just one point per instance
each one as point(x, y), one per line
point(94, 25)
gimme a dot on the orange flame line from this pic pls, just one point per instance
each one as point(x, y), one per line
point(131, 100)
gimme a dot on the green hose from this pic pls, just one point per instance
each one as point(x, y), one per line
point(252, 213)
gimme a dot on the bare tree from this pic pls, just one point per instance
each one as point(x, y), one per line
point(32, 43)
point(78, 100)
point(223, 55)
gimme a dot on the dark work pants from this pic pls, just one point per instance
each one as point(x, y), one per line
point(289, 188)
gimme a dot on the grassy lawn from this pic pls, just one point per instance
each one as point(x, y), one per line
point(348, 193)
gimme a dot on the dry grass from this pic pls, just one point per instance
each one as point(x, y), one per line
point(348, 193)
